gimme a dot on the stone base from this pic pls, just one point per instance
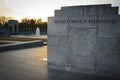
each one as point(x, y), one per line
point(85, 71)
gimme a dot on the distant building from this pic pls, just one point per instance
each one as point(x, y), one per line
point(14, 29)
point(13, 26)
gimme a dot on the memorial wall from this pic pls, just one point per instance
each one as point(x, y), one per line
point(85, 39)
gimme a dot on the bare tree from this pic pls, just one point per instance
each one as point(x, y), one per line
point(4, 20)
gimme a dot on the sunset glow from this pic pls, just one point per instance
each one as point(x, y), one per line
point(41, 8)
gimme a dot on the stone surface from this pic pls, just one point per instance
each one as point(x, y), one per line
point(85, 39)
point(13, 26)
point(21, 45)
point(30, 64)
point(4, 32)
point(57, 31)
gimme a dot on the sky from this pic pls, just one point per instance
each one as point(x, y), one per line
point(19, 9)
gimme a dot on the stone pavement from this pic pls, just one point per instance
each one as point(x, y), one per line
point(26, 64)
point(31, 64)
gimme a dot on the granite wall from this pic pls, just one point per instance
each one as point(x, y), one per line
point(85, 39)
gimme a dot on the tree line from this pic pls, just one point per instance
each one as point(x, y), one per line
point(4, 20)
point(25, 22)
point(32, 23)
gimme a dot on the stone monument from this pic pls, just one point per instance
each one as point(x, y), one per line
point(4, 32)
point(13, 26)
point(85, 39)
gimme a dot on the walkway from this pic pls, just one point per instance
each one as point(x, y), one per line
point(31, 64)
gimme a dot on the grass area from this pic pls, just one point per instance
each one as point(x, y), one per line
point(22, 39)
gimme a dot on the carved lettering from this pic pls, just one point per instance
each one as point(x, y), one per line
point(84, 21)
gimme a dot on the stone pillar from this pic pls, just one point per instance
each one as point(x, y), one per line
point(13, 26)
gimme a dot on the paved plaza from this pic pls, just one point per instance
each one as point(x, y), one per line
point(31, 64)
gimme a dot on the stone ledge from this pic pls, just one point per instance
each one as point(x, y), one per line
point(22, 45)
